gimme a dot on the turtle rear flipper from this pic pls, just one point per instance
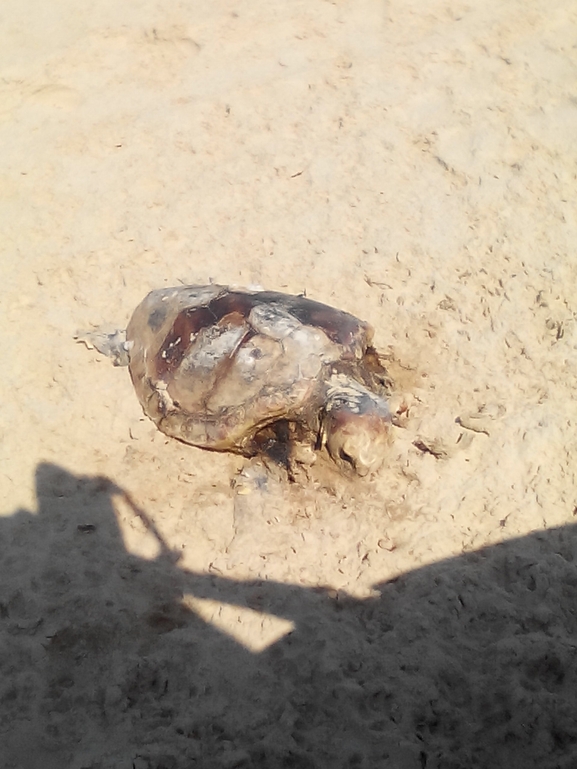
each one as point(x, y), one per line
point(109, 342)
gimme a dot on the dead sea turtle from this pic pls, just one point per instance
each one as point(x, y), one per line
point(240, 370)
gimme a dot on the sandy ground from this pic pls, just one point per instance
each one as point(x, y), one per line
point(411, 162)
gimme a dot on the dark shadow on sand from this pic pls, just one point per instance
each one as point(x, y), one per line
point(467, 663)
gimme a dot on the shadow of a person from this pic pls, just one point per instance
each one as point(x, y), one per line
point(469, 662)
point(81, 622)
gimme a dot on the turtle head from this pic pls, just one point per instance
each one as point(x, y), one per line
point(356, 426)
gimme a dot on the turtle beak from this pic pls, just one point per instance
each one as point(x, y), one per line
point(357, 441)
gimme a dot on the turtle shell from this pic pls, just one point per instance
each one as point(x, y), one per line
point(212, 365)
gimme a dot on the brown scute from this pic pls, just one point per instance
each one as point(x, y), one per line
point(233, 302)
point(185, 327)
point(231, 309)
point(339, 326)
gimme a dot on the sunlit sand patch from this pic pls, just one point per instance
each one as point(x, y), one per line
point(138, 539)
point(254, 630)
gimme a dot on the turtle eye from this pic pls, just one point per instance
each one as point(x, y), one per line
point(346, 457)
